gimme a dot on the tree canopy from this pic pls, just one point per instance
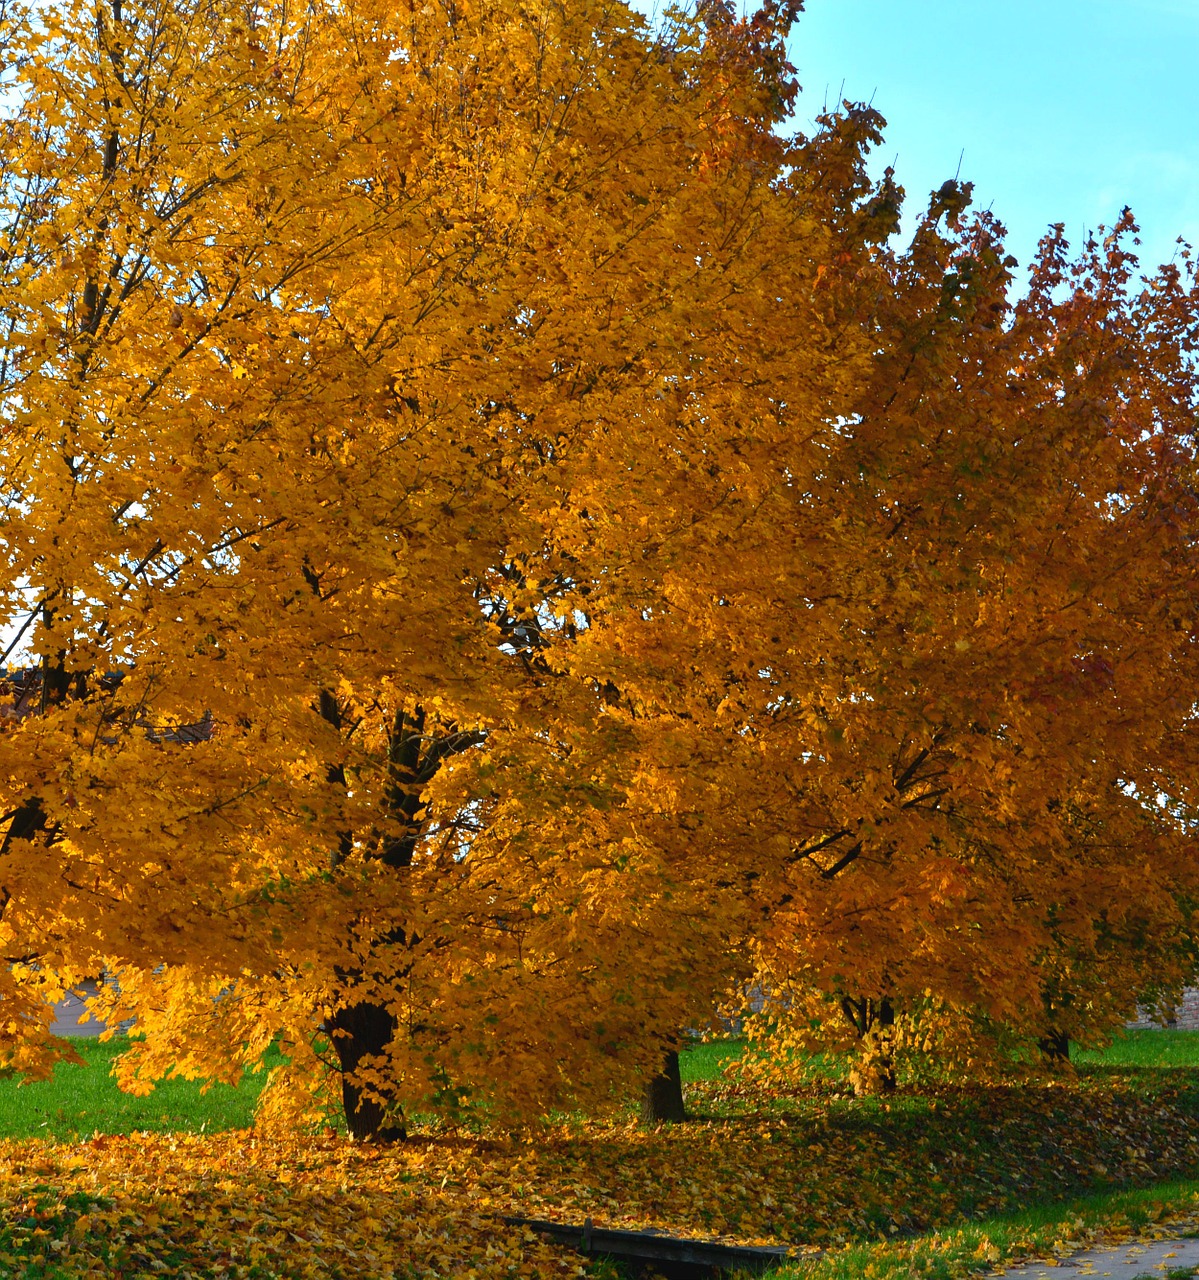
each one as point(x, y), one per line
point(500, 546)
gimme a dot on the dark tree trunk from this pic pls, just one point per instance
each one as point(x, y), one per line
point(28, 821)
point(364, 1030)
point(413, 759)
point(662, 1098)
point(1055, 1047)
point(873, 1022)
point(886, 1019)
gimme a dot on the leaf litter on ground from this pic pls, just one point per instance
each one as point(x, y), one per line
point(816, 1169)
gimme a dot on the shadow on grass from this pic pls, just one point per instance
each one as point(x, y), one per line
point(941, 1156)
point(1180, 1083)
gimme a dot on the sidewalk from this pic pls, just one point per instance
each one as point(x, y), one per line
point(68, 1012)
point(1134, 1259)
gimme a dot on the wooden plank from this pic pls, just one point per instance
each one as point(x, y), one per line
point(657, 1246)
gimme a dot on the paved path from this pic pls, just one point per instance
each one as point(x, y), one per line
point(1132, 1259)
point(68, 1012)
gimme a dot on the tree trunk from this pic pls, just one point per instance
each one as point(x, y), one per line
point(413, 759)
point(874, 1021)
point(364, 1031)
point(1055, 1047)
point(662, 1098)
point(884, 1030)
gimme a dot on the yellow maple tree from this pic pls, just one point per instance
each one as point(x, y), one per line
point(499, 546)
point(347, 398)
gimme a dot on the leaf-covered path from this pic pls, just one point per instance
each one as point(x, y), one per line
point(1132, 1260)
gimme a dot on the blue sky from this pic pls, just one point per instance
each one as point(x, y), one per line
point(1065, 111)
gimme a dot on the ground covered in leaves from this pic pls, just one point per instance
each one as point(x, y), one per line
point(817, 1169)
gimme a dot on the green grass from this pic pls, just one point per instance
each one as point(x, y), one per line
point(705, 1061)
point(980, 1246)
point(1145, 1049)
point(1140, 1048)
point(79, 1101)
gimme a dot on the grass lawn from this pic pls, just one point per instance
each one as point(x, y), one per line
point(1055, 1231)
point(1146, 1049)
point(942, 1182)
point(81, 1101)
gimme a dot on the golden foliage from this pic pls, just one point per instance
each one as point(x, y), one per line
point(347, 396)
point(502, 545)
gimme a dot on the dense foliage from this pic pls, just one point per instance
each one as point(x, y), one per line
point(501, 548)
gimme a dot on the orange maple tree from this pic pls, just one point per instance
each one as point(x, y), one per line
point(963, 694)
point(498, 546)
point(347, 400)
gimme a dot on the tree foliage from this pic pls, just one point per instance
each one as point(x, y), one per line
point(346, 365)
point(500, 546)
point(970, 703)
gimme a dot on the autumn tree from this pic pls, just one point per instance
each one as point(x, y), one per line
point(499, 545)
point(362, 373)
point(963, 690)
